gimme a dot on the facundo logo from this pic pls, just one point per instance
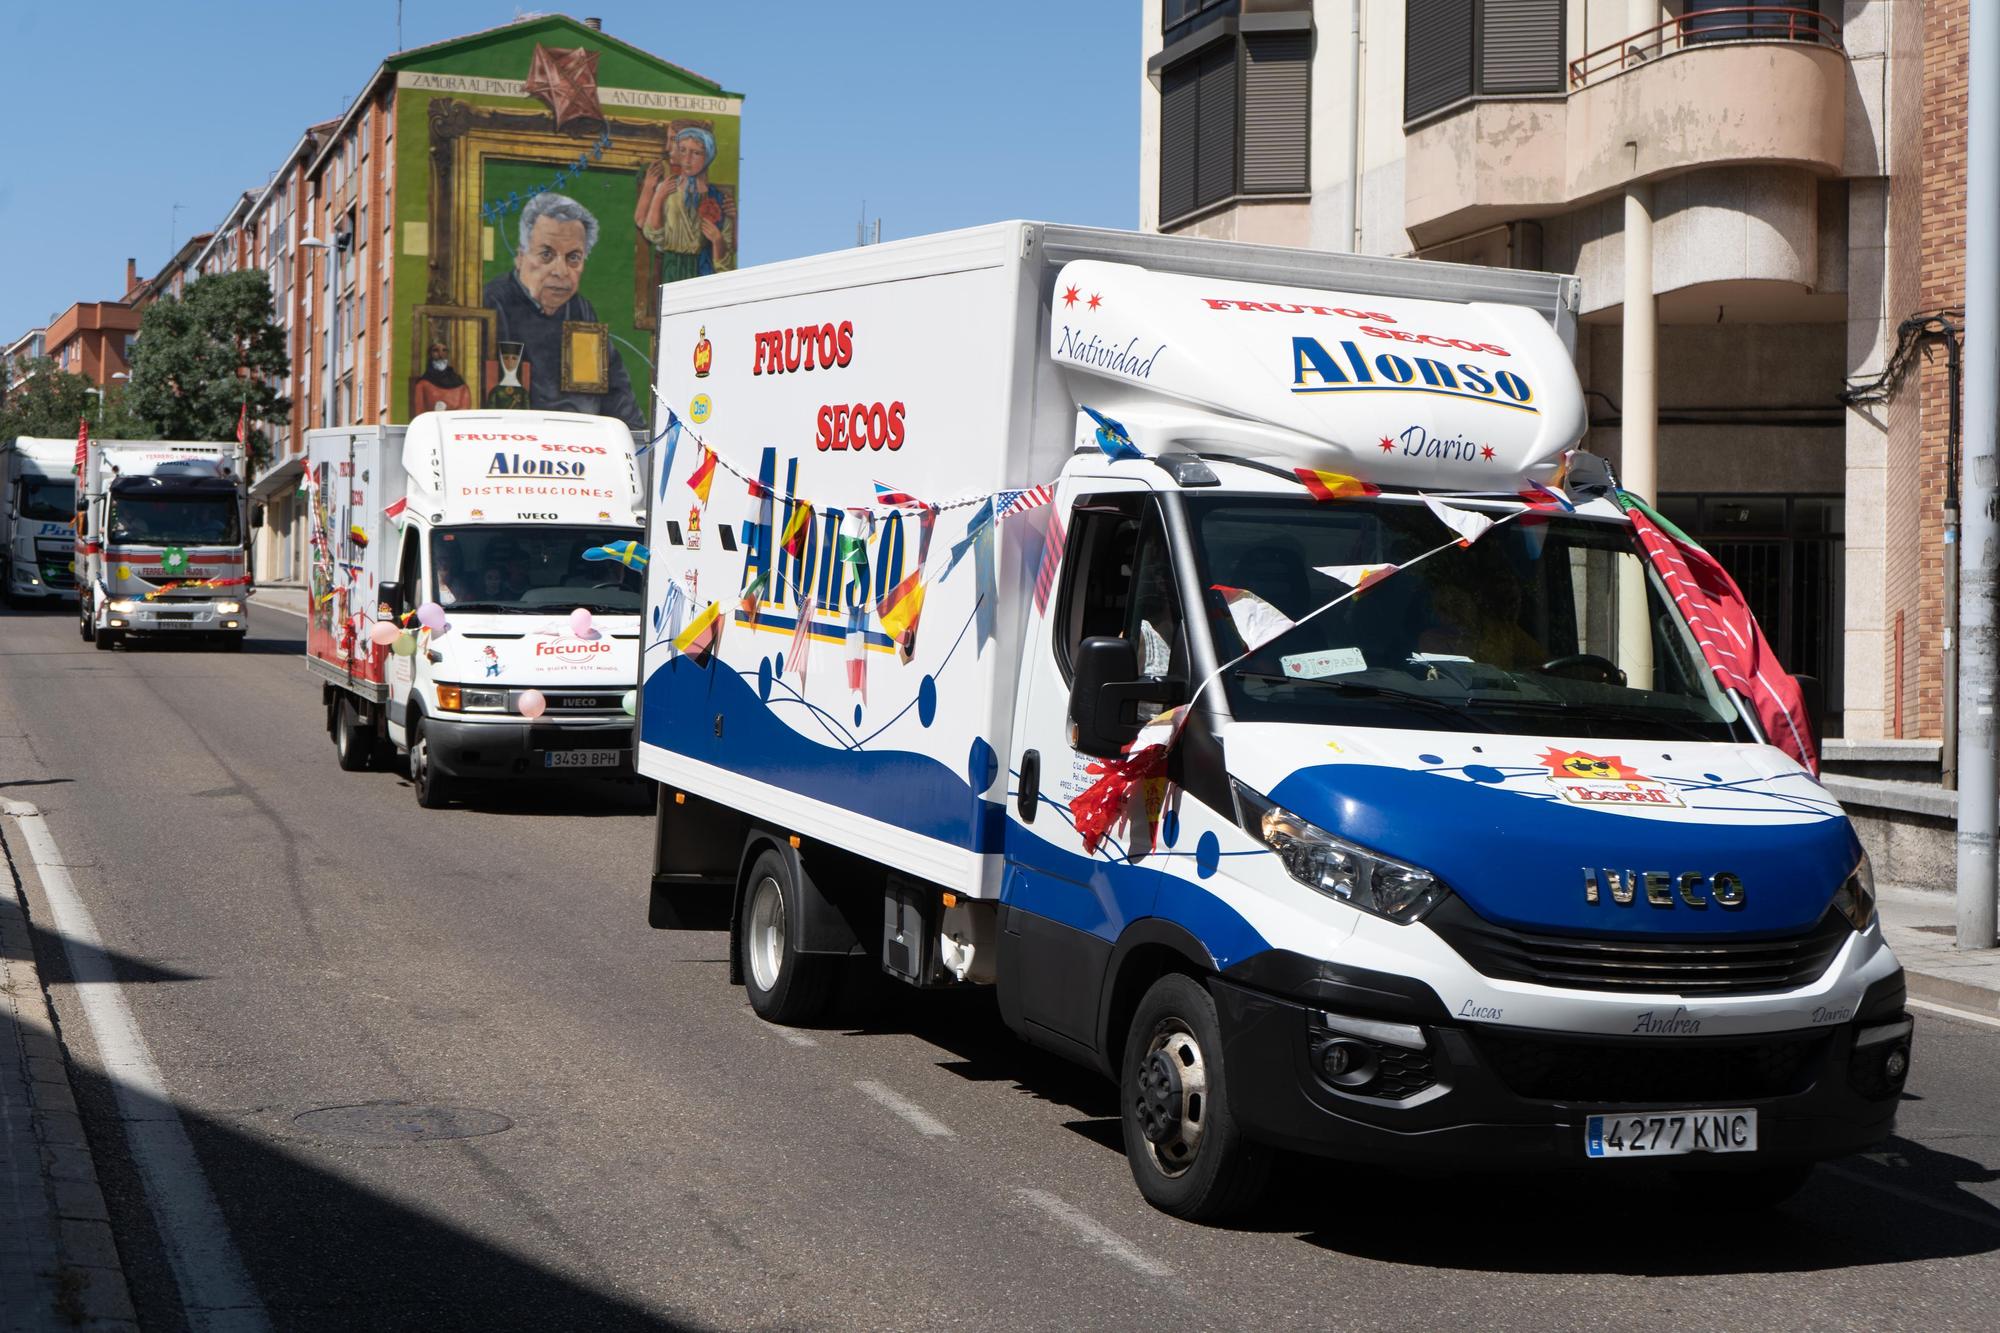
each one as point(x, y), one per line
point(704, 355)
point(571, 648)
point(1594, 779)
point(1317, 370)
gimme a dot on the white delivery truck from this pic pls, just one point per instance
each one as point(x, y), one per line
point(1216, 649)
point(37, 507)
point(162, 541)
point(479, 536)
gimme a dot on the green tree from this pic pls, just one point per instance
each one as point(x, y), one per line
point(200, 359)
point(50, 402)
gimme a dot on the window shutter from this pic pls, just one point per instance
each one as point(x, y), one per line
point(1277, 107)
point(1215, 152)
point(1437, 55)
point(1521, 46)
point(1180, 89)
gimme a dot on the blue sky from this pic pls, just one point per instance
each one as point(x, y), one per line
point(939, 114)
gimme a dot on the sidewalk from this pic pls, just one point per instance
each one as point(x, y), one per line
point(1921, 926)
point(286, 597)
point(59, 1267)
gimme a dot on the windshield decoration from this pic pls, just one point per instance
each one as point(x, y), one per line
point(1469, 526)
point(1357, 577)
point(1256, 620)
point(630, 554)
point(1335, 485)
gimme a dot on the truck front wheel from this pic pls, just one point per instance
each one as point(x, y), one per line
point(1187, 1153)
point(105, 639)
point(785, 986)
point(433, 787)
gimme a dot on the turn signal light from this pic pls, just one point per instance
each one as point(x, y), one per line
point(450, 698)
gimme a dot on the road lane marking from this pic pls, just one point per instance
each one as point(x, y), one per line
point(915, 1116)
point(1094, 1233)
point(1950, 1012)
point(215, 1288)
point(785, 1034)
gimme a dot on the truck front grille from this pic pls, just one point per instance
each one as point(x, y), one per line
point(1691, 1071)
point(1710, 965)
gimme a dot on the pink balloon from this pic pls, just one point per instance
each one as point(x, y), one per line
point(532, 704)
point(383, 633)
point(579, 624)
point(431, 616)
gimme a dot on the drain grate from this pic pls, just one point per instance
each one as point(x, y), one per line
point(400, 1122)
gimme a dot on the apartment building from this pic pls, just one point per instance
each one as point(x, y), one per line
point(391, 233)
point(1756, 198)
point(18, 356)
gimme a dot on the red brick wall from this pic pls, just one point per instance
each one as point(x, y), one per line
point(1942, 285)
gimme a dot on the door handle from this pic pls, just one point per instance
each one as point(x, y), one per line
point(1030, 794)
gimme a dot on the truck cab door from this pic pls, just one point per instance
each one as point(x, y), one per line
point(399, 671)
point(1063, 906)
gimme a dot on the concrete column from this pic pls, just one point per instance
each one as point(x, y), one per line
point(1639, 425)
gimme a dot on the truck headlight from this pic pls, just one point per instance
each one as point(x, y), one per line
point(124, 606)
point(1377, 884)
point(1855, 899)
point(229, 608)
point(463, 699)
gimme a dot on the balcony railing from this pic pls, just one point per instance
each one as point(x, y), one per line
point(1741, 23)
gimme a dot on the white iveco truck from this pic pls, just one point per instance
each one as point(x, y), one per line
point(1219, 650)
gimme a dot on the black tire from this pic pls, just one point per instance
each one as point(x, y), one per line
point(785, 986)
point(434, 789)
point(1186, 1150)
point(353, 740)
point(1755, 1191)
point(86, 628)
point(105, 640)
point(233, 643)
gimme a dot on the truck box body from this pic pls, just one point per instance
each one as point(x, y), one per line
point(163, 546)
point(490, 516)
point(1273, 633)
point(37, 514)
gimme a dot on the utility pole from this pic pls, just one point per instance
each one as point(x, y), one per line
point(1978, 540)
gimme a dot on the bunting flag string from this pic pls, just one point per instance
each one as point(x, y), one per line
point(799, 655)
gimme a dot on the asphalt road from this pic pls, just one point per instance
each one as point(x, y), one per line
point(292, 938)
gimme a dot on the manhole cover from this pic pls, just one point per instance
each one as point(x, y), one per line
point(400, 1122)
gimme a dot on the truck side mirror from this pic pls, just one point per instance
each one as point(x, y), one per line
point(1105, 691)
point(1812, 693)
point(389, 594)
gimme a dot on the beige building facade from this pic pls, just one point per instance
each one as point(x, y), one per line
point(1743, 191)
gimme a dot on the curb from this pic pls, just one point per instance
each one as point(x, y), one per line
point(59, 1262)
point(1957, 994)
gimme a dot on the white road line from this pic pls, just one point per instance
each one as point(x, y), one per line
point(1095, 1234)
point(215, 1287)
point(915, 1116)
point(1950, 1011)
point(785, 1034)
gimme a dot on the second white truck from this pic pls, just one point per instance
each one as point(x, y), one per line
point(474, 595)
point(37, 507)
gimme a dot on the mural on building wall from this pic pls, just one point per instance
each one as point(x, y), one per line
point(548, 180)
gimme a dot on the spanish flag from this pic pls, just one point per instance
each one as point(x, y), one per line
point(1334, 485)
point(901, 607)
point(703, 476)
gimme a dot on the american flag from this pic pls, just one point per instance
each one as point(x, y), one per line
point(1009, 503)
point(1045, 577)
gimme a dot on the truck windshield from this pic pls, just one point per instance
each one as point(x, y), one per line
point(538, 569)
point(48, 500)
point(165, 520)
point(1554, 626)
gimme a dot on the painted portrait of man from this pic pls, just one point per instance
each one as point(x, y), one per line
point(440, 388)
point(689, 221)
point(538, 304)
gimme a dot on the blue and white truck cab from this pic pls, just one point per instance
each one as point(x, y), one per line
point(37, 520)
point(1288, 722)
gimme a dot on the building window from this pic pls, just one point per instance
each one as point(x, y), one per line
point(1182, 18)
point(1234, 120)
point(1456, 50)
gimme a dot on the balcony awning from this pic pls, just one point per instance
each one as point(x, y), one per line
point(279, 479)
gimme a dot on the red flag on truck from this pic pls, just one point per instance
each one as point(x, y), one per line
point(82, 443)
point(1728, 634)
point(243, 422)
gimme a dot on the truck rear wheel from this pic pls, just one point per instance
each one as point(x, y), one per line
point(353, 741)
point(1186, 1151)
point(434, 789)
point(784, 985)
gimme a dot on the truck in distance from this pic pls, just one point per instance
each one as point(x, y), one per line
point(37, 510)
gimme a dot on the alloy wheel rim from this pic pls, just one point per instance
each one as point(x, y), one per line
point(764, 940)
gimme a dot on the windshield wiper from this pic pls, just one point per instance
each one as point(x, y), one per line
point(1368, 689)
point(450, 607)
point(1621, 712)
